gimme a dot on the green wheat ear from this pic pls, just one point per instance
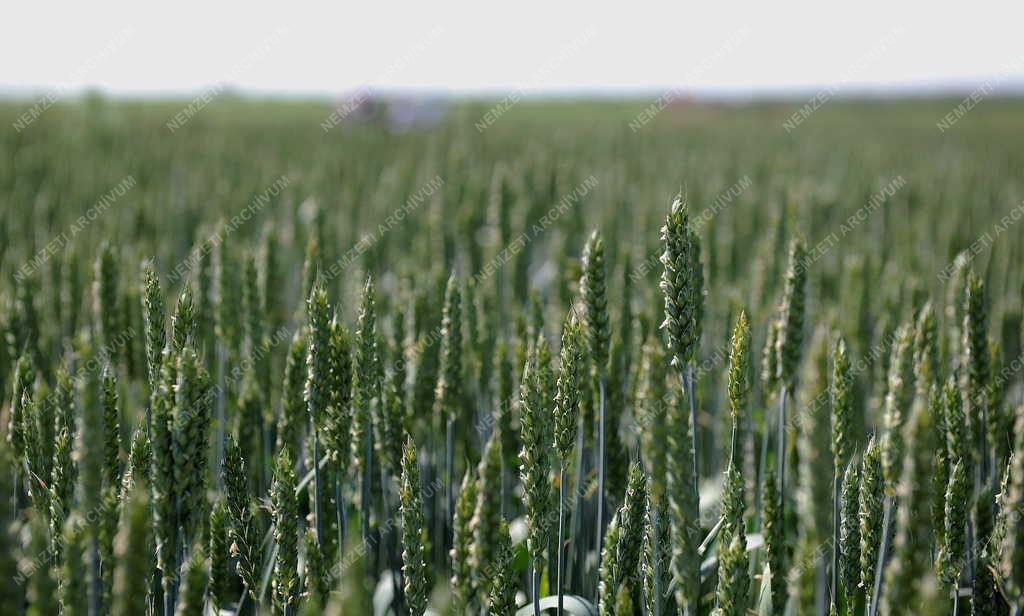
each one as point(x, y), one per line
point(657, 554)
point(872, 489)
point(535, 463)
point(569, 386)
point(770, 362)
point(774, 536)
point(501, 600)
point(220, 554)
point(679, 285)
point(449, 394)
point(316, 576)
point(487, 519)
point(462, 542)
point(414, 534)
point(739, 383)
point(733, 577)
point(318, 356)
point(620, 565)
point(683, 503)
point(841, 396)
point(74, 579)
point(366, 384)
point(245, 546)
point(284, 504)
point(950, 560)
point(24, 376)
point(1010, 562)
point(593, 286)
point(293, 404)
point(132, 549)
point(789, 344)
point(849, 535)
point(652, 407)
point(897, 405)
point(192, 592)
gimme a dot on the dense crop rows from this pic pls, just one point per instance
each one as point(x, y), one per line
point(706, 366)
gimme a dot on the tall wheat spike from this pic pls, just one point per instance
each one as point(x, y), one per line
point(683, 502)
point(284, 505)
point(462, 583)
point(317, 394)
point(594, 291)
point(366, 390)
point(621, 563)
point(414, 534)
point(534, 468)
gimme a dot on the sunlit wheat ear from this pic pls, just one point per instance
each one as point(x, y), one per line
point(657, 554)
point(952, 553)
point(244, 533)
point(338, 422)
point(849, 537)
point(897, 407)
point(414, 534)
point(315, 577)
point(940, 461)
point(1010, 564)
point(284, 506)
point(739, 384)
point(569, 386)
point(872, 490)
point(24, 376)
point(678, 285)
point(501, 600)
point(535, 463)
point(621, 563)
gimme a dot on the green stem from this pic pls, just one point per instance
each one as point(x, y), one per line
point(536, 590)
point(561, 533)
point(600, 469)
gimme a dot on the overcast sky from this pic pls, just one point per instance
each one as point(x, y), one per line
point(467, 47)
